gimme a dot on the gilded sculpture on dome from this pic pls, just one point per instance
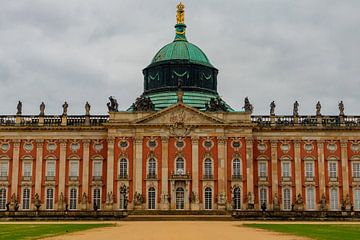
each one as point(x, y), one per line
point(180, 15)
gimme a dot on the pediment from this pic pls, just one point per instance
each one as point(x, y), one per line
point(179, 114)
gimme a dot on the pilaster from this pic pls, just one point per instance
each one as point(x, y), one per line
point(138, 164)
point(274, 169)
point(344, 167)
point(86, 162)
point(62, 167)
point(221, 171)
point(164, 173)
point(110, 165)
point(39, 163)
point(297, 160)
point(15, 175)
point(249, 165)
point(195, 171)
point(321, 157)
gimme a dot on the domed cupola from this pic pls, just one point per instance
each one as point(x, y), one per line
point(180, 64)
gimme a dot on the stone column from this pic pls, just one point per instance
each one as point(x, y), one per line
point(138, 166)
point(38, 169)
point(15, 170)
point(164, 205)
point(249, 166)
point(298, 176)
point(274, 170)
point(195, 172)
point(321, 161)
point(62, 168)
point(110, 165)
point(344, 167)
point(221, 172)
point(86, 162)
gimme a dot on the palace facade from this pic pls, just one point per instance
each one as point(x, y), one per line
point(179, 146)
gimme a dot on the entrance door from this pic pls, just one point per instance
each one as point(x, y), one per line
point(237, 199)
point(180, 198)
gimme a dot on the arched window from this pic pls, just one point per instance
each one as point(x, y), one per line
point(357, 199)
point(97, 198)
point(180, 166)
point(208, 198)
point(334, 199)
point(180, 198)
point(263, 195)
point(73, 198)
point(286, 199)
point(310, 198)
point(2, 198)
point(236, 168)
point(152, 168)
point(237, 198)
point(208, 168)
point(49, 199)
point(26, 198)
point(123, 168)
point(151, 198)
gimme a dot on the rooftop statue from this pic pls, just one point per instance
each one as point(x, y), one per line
point(42, 109)
point(143, 104)
point(216, 105)
point(19, 108)
point(65, 108)
point(318, 109)
point(248, 107)
point(296, 109)
point(341, 109)
point(87, 109)
point(180, 16)
point(272, 108)
point(113, 104)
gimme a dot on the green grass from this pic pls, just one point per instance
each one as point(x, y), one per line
point(315, 231)
point(36, 231)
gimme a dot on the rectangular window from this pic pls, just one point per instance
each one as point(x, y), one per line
point(27, 169)
point(73, 198)
point(97, 169)
point(357, 199)
point(50, 171)
point(334, 199)
point(356, 170)
point(26, 199)
point(310, 199)
point(4, 169)
point(96, 198)
point(286, 169)
point(74, 169)
point(2, 198)
point(309, 169)
point(50, 198)
point(262, 169)
point(332, 169)
point(263, 196)
point(287, 199)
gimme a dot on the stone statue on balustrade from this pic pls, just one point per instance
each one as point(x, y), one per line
point(276, 204)
point(272, 108)
point(341, 109)
point(42, 109)
point(250, 199)
point(19, 108)
point(248, 107)
point(65, 108)
point(318, 109)
point(87, 109)
point(113, 104)
point(37, 202)
point(299, 203)
point(296, 109)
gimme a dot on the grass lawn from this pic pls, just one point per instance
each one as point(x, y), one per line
point(315, 231)
point(36, 231)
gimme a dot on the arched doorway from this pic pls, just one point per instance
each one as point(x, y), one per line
point(180, 198)
point(237, 198)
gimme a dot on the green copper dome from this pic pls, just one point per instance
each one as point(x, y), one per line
point(181, 50)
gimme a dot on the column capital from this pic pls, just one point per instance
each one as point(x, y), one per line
point(39, 143)
point(320, 143)
point(222, 139)
point(63, 141)
point(343, 143)
point(297, 143)
point(86, 142)
point(138, 140)
point(195, 139)
point(273, 143)
point(164, 139)
point(111, 140)
point(16, 143)
point(249, 142)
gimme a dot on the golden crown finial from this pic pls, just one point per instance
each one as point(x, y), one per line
point(180, 15)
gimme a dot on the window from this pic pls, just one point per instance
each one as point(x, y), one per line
point(26, 199)
point(236, 168)
point(263, 196)
point(49, 199)
point(286, 169)
point(4, 168)
point(310, 198)
point(27, 169)
point(286, 199)
point(208, 198)
point(332, 169)
point(180, 198)
point(50, 171)
point(152, 167)
point(73, 198)
point(309, 169)
point(123, 168)
point(122, 199)
point(151, 198)
point(334, 199)
point(2, 198)
point(97, 198)
point(357, 199)
point(262, 169)
point(180, 166)
point(356, 170)
point(74, 169)
point(208, 168)
point(97, 169)
point(237, 198)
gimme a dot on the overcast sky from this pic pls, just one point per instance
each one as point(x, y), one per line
point(87, 50)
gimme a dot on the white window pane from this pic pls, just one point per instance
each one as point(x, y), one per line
point(97, 169)
point(309, 169)
point(357, 199)
point(50, 169)
point(27, 169)
point(287, 199)
point(332, 170)
point(74, 167)
point(286, 169)
point(4, 169)
point(262, 169)
point(334, 201)
point(356, 170)
point(310, 198)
